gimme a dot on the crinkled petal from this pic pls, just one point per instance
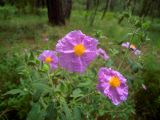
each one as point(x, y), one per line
point(70, 40)
point(41, 57)
point(64, 44)
point(44, 54)
point(137, 52)
point(122, 91)
point(53, 66)
point(87, 57)
point(90, 43)
point(76, 36)
point(103, 86)
point(68, 59)
point(116, 94)
point(113, 95)
point(102, 77)
point(52, 54)
point(126, 44)
point(102, 54)
point(71, 62)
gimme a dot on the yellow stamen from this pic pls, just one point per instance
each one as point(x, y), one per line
point(48, 59)
point(132, 46)
point(79, 49)
point(114, 81)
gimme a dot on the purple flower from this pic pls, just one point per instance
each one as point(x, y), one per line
point(50, 58)
point(113, 85)
point(132, 47)
point(126, 44)
point(137, 52)
point(102, 54)
point(76, 51)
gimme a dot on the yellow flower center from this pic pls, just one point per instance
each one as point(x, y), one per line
point(132, 46)
point(79, 49)
point(114, 81)
point(48, 59)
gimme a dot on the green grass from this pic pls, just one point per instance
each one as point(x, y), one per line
point(23, 29)
point(31, 29)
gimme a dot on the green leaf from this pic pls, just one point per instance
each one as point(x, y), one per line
point(109, 63)
point(146, 25)
point(45, 88)
point(125, 14)
point(51, 112)
point(85, 84)
point(77, 93)
point(134, 68)
point(62, 116)
point(138, 23)
point(37, 95)
point(45, 67)
point(40, 85)
point(32, 62)
point(113, 51)
point(77, 113)
point(36, 113)
point(15, 91)
point(67, 112)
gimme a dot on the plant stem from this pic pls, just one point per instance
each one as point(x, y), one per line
point(43, 103)
point(50, 79)
point(86, 95)
point(126, 52)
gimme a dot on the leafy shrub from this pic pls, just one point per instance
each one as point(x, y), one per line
point(146, 101)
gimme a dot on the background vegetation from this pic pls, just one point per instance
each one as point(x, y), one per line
point(25, 32)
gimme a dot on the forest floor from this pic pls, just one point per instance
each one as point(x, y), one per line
point(29, 31)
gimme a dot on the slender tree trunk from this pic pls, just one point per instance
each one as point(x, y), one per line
point(43, 3)
point(40, 3)
point(147, 6)
point(92, 17)
point(68, 8)
point(88, 4)
point(55, 12)
point(105, 9)
point(108, 6)
point(2, 2)
point(37, 3)
point(134, 6)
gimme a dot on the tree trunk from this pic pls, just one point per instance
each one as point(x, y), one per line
point(55, 12)
point(109, 5)
point(88, 4)
point(68, 8)
point(40, 3)
point(2, 2)
point(146, 8)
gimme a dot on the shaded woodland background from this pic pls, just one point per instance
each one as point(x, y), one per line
point(60, 10)
point(30, 26)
